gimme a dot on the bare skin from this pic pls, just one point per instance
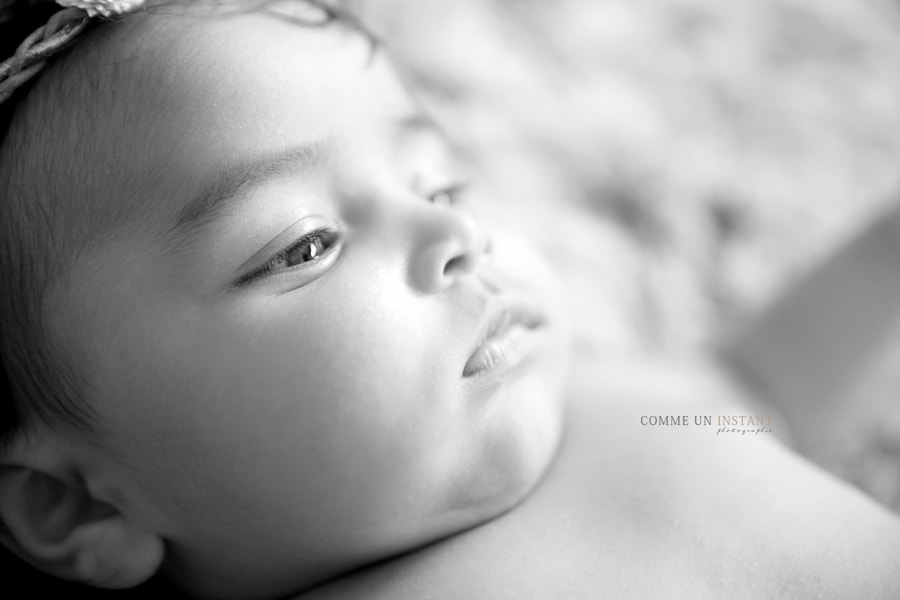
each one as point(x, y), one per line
point(255, 437)
point(632, 511)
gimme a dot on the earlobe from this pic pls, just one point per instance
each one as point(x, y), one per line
point(57, 526)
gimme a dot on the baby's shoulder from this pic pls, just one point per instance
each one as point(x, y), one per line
point(695, 382)
point(667, 510)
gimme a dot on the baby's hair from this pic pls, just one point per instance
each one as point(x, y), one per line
point(34, 380)
point(40, 383)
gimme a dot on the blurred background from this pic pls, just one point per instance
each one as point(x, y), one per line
point(681, 160)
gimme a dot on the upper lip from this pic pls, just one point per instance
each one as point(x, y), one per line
point(503, 312)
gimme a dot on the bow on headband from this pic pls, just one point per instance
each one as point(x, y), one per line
point(59, 31)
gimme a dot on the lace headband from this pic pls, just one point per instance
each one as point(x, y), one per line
point(60, 31)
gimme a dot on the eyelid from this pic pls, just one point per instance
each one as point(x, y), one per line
point(283, 243)
point(452, 192)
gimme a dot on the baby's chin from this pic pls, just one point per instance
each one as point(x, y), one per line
point(524, 434)
point(515, 453)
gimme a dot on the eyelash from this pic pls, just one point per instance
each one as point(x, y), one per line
point(327, 237)
point(452, 194)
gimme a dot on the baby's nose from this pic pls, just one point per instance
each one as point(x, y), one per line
point(451, 244)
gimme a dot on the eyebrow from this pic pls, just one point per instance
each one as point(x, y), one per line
point(231, 184)
point(416, 122)
point(419, 123)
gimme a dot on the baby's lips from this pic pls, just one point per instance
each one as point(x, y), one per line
point(501, 340)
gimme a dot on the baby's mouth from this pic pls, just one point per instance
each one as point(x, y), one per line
point(507, 339)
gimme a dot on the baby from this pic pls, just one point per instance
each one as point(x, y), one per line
point(264, 341)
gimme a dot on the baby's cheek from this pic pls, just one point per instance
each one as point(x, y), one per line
point(520, 258)
point(518, 262)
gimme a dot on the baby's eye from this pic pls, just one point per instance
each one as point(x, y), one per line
point(310, 248)
point(447, 196)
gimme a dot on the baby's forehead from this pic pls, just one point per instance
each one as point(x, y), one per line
point(167, 101)
point(156, 108)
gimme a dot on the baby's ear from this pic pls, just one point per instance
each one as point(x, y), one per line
point(53, 522)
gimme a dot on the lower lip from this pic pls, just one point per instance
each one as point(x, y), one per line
point(501, 354)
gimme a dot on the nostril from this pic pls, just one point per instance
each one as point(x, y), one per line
point(454, 264)
point(466, 261)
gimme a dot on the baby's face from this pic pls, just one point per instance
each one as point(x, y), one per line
point(308, 357)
